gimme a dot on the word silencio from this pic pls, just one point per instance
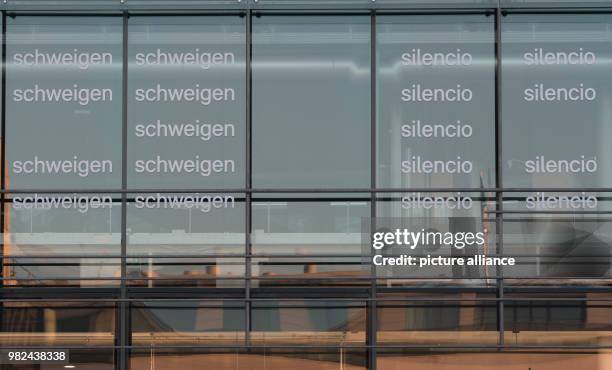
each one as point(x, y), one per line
point(543, 92)
point(423, 130)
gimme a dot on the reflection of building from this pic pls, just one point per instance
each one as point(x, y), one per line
point(280, 277)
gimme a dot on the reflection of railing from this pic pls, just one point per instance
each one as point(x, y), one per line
point(57, 338)
point(385, 337)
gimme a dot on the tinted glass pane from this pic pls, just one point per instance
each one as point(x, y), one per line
point(314, 322)
point(189, 322)
point(311, 94)
point(436, 103)
point(308, 239)
point(186, 99)
point(558, 235)
point(556, 93)
point(413, 319)
point(64, 102)
point(56, 324)
point(62, 239)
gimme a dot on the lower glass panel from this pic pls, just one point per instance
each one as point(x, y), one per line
point(308, 322)
point(268, 359)
point(211, 272)
point(57, 324)
point(79, 359)
point(570, 319)
point(536, 360)
point(187, 323)
point(62, 240)
point(458, 319)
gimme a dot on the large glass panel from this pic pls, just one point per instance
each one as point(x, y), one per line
point(436, 91)
point(558, 238)
point(558, 319)
point(62, 239)
point(64, 102)
point(31, 323)
point(187, 323)
point(556, 93)
point(186, 239)
point(480, 359)
point(205, 224)
point(79, 358)
point(311, 101)
point(450, 239)
point(268, 358)
point(308, 322)
point(308, 239)
point(186, 102)
point(465, 318)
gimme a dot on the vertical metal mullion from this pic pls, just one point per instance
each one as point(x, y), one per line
point(123, 306)
point(248, 179)
point(499, 226)
point(372, 322)
point(3, 144)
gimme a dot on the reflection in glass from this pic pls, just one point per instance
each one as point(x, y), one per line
point(62, 239)
point(308, 239)
point(579, 319)
point(310, 322)
point(556, 93)
point(64, 102)
point(311, 101)
point(436, 105)
point(412, 319)
point(558, 235)
point(186, 122)
point(438, 213)
point(253, 359)
point(484, 359)
point(29, 323)
point(185, 224)
point(187, 323)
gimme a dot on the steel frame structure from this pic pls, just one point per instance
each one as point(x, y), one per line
point(368, 294)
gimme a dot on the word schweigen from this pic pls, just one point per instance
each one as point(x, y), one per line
point(202, 95)
point(76, 58)
point(80, 167)
point(204, 60)
point(411, 239)
point(205, 131)
point(74, 94)
point(204, 167)
point(204, 203)
point(82, 203)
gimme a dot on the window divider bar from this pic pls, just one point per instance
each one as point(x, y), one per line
point(248, 169)
point(372, 311)
point(124, 331)
point(498, 170)
point(3, 144)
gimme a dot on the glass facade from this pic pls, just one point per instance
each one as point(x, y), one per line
point(198, 184)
